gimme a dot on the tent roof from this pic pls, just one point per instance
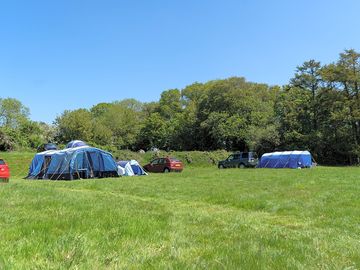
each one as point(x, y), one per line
point(69, 151)
point(66, 150)
point(75, 143)
point(284, 153)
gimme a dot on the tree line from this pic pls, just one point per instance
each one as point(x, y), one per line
point(318, 110)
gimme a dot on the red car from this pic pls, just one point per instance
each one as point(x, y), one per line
point(165, 165)
point(4, 171)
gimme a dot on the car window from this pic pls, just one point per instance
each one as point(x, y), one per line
point(245, 155)
point(2, 162)
point(155, 162)
point(162, 161)
point(231, 157)
point(174, 160)
point(236, 156)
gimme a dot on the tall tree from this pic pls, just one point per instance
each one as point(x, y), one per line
point(170, 103)
point(74, 125)
point(12, 112)
point(345, 77)
point(308, 78)
point(155, 132)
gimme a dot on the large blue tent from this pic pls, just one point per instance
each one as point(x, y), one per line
point(286, 159)
point(73, 163)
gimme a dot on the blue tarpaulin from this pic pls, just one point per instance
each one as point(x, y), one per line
point(286, 159)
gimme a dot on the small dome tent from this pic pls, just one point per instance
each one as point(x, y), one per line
point(73, 163)
point(130, 168)
point(286, 159)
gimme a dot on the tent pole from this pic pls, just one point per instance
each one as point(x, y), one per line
point(288, 159)
point(277, 162)
point(268, 161)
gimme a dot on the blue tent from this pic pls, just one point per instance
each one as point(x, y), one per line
point(130, 168)
point(73, 163)
point(287, 159)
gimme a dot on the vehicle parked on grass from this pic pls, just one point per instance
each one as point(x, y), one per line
point(4, 171)
point(166, 164)
point(239, 160)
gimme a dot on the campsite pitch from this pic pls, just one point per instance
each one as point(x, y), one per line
point(203, 218)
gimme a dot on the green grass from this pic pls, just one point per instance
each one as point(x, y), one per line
point(203, 218)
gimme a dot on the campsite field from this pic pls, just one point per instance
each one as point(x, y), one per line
point(203, 218)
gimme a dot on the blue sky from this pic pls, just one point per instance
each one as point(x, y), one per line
point(69, 54)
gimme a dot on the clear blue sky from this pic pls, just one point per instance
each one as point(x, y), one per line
point(69, 54)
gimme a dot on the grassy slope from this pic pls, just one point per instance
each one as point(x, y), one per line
point(201, 218)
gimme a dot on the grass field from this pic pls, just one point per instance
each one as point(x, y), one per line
point(203, 218)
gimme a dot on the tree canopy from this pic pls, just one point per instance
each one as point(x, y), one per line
point(318, 110)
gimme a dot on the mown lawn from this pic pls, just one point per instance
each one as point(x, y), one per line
point(203, 218)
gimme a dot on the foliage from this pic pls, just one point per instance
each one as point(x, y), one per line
point(12, 112)
point(17, 131)
point(319, 110)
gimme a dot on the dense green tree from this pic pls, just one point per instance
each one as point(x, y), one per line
point(124, 123)
point(293, 109)
point(170, 104)
point(16, 129)
point(318, 110)
point(334, 144)
point(74, 125)
point(308, 78)
point(117, 124)
point(155, 133)
point(7, 142)
point(231, 109)
point(344, 76)
point(12, 112)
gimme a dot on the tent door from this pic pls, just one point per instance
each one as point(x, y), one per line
point(91, 166)
point(44, 167)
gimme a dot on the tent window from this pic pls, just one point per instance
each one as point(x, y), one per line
point(95, 158)
point(108, 162)
point(79, 162)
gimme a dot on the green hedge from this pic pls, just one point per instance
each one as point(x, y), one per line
point(189, 158)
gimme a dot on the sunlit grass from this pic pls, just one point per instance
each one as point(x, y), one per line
point(202, 218)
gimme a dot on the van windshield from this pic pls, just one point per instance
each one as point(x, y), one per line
point(2, 162)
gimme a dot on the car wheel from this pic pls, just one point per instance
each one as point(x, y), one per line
point(221, 166)
point(241, 166)
point(166, 170)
